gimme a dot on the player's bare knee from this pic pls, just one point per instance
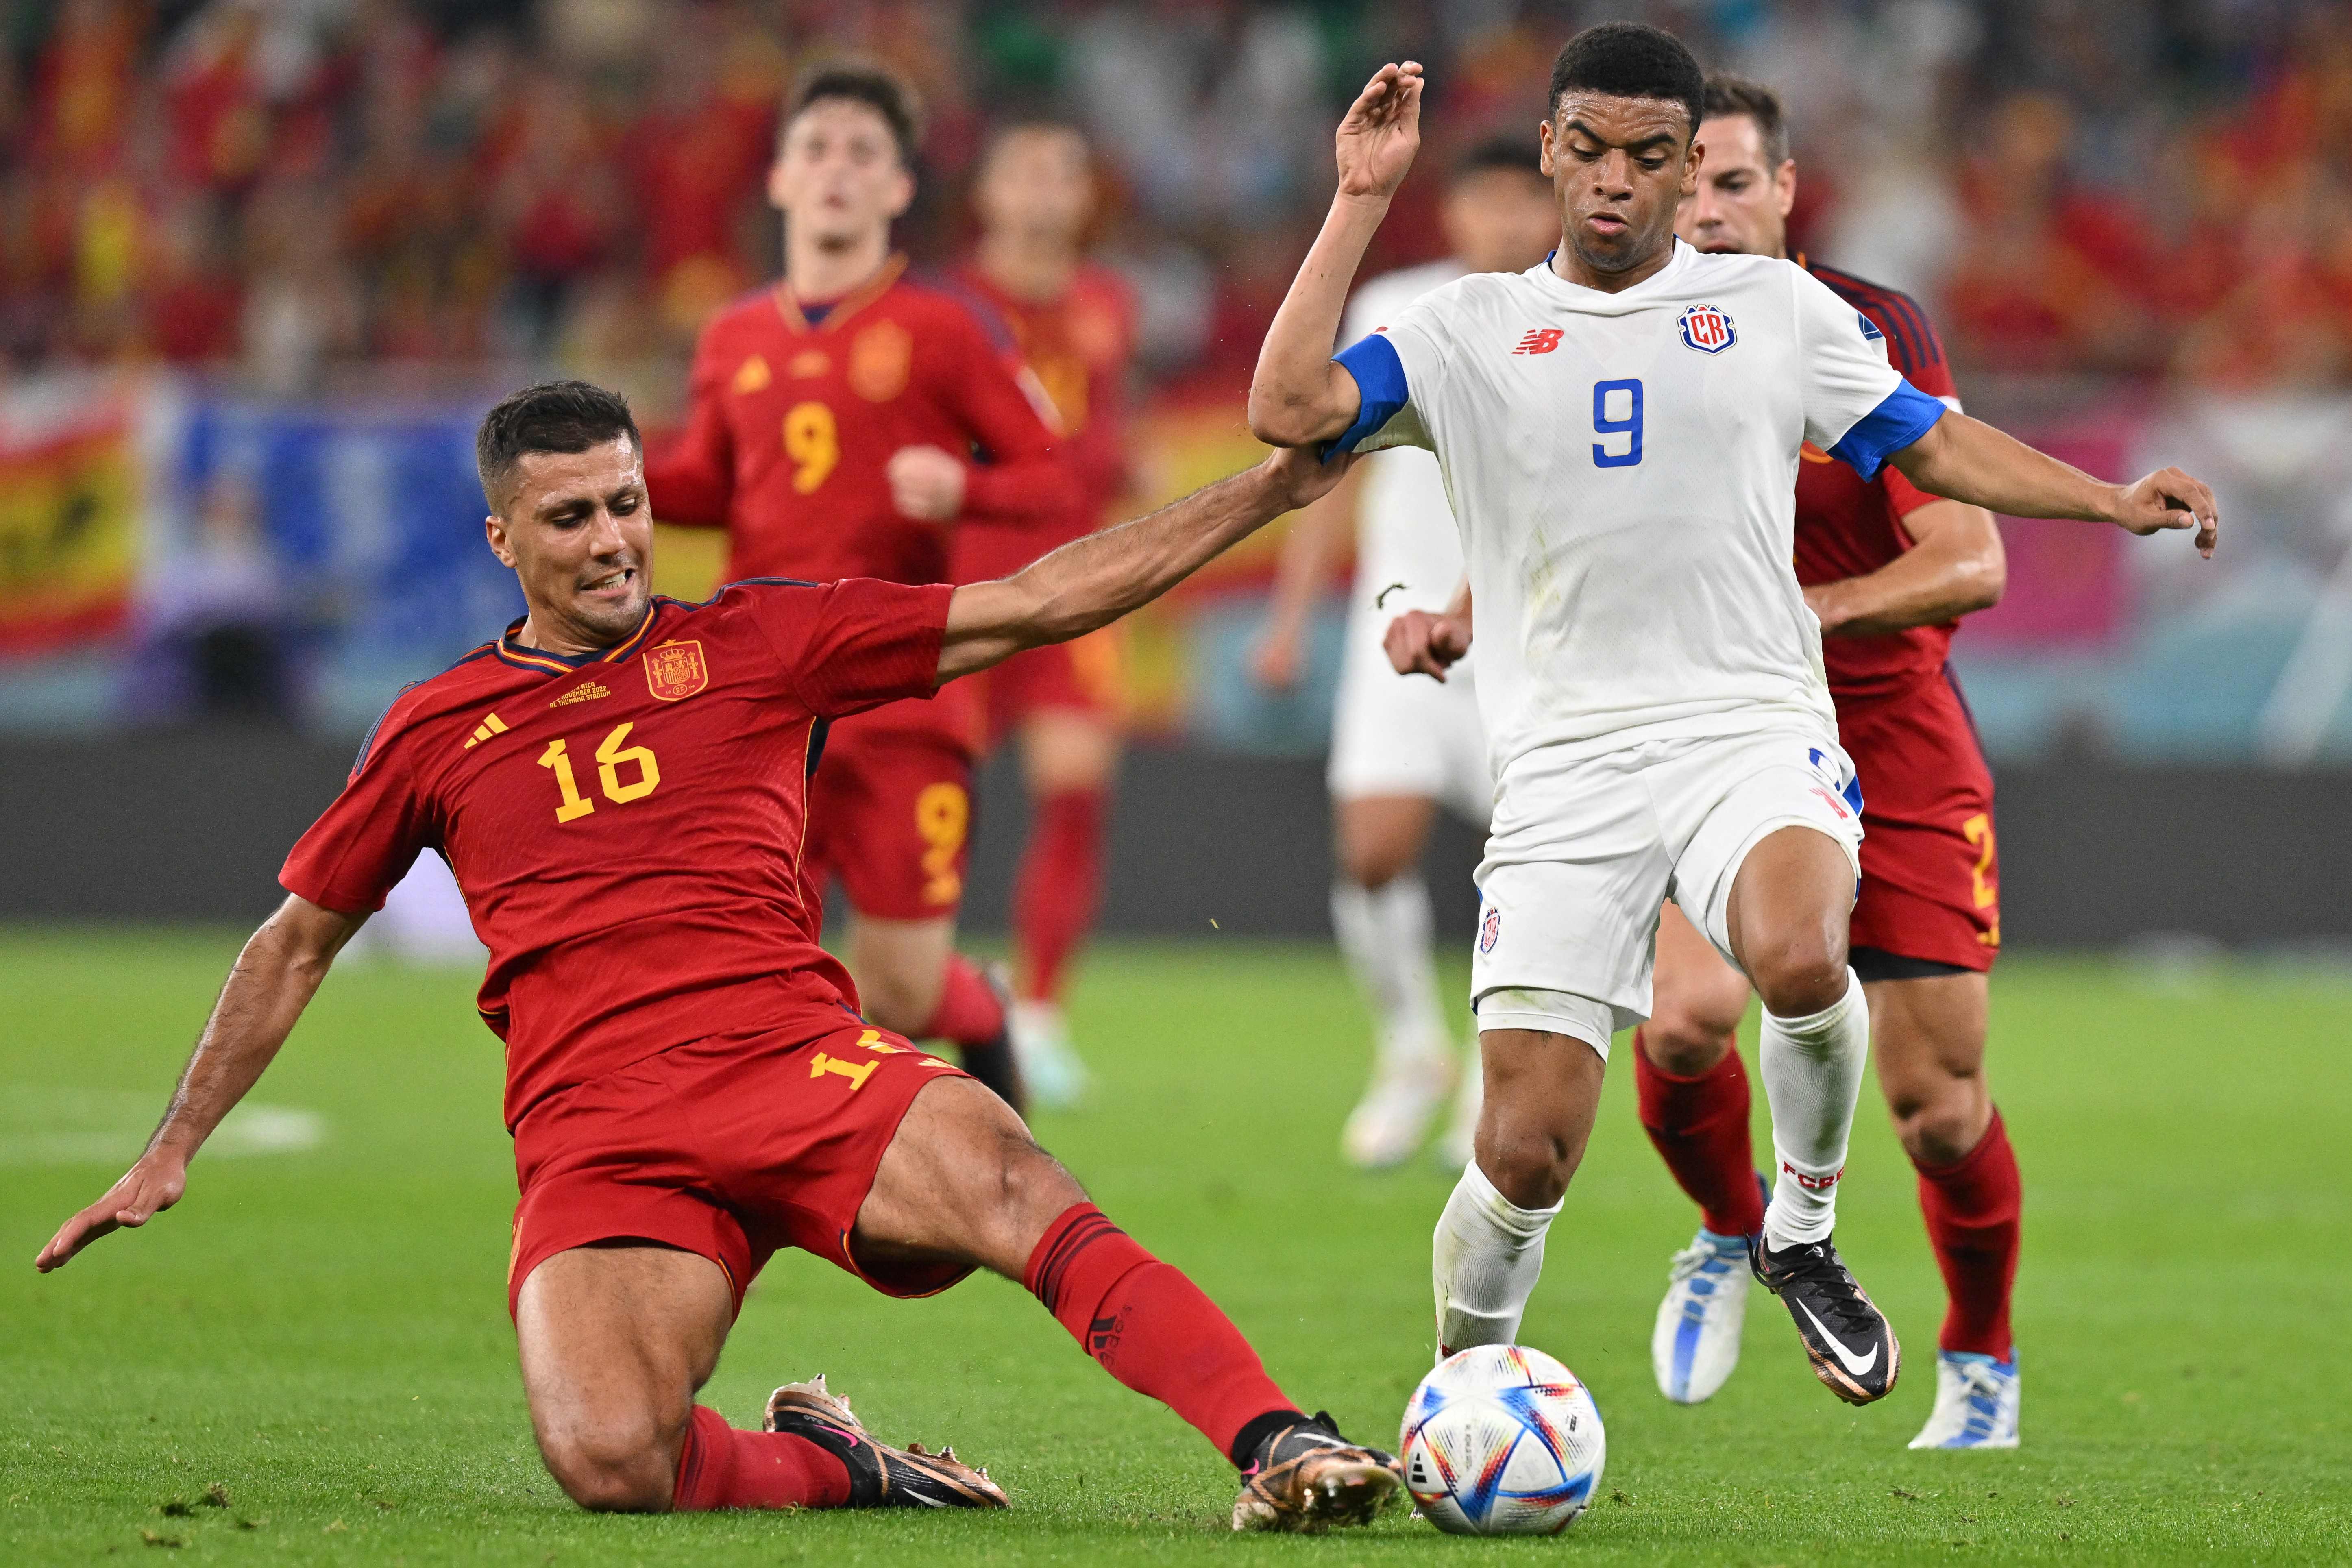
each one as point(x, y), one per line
point(1679, 1040)
point(1943, 1125)
point(613, 1468)
point(1529, 1162)
point(1802, 973)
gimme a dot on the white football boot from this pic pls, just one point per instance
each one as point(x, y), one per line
point(1696, 1344)
point(1407, 1091)
point(1057, 1078)
point(1976, 1403)
point(1459, 1146)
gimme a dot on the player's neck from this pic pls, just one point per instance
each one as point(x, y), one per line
point(1569, 267)
point(1026, 265)
point(821, 272)
point(546, 633)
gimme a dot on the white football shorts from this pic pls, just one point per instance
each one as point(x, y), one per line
point(1582, 854)
point(1407, 734)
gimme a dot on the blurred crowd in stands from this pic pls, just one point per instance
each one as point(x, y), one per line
point(287, 190)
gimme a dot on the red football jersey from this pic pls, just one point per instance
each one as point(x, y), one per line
point(796, 414)
point(1848, 526)
point(1081, 345)
point(626, 827)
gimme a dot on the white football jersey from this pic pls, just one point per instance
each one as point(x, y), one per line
point(1623, 471)
point(1408, 546)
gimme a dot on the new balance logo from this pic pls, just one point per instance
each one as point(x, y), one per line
point(493, 725)
point(1539, 340)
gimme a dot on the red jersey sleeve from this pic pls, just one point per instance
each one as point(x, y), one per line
point(857, 643)
point(365, 843)
point(1913, 348)
point(1022, 473)
point(690, 477)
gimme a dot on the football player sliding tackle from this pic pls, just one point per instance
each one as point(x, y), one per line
point(690, 1086)
point(1650, 678)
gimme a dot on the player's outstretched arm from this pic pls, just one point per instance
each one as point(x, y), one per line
point(1092, 582)
point(270, 984)
point(1955, 566)
point(1299, 395)
point(1970, 461)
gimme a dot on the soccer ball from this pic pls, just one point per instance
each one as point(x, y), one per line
point(1502, 1440)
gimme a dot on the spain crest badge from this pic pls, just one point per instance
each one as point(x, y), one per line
point(878, 361)
point(676, 670)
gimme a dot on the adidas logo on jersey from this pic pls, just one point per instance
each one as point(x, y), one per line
point(492, 725)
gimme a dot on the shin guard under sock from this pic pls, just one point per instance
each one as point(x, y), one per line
point(1973, 1208)
point(1699, 1127)
point(1152, 1329)
point(1811, 1068)
point(721, 1466)
point(1484, 1263)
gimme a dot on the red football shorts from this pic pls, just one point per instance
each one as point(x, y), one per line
point(731, 1147)
point(1080, 677)
point(1930, 867)
point(890, 814)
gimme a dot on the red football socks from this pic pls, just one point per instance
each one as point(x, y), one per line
point(1152, 1329)
point(721, 1467)
point(1054, 897)
point(1973, 1208)
point(969, 1012)
point(1700, 1128)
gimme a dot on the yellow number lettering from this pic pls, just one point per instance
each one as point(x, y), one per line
point(1978, 829)
point(612, 755)
point(814, 441)
point(942, 815)
point(856, 1072)
point(575, 806)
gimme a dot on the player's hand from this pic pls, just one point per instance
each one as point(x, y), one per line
point(2170, 498)
point(1381, 132)
point(926, 483)
point(1300, 477)
point(146, 1190)
point(1419, 643)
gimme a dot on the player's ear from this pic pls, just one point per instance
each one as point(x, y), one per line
point(494, 529)
point(1785, 179)
point(902, 192)
point(1692, 157)
point(1543, 148)
point(778, 189)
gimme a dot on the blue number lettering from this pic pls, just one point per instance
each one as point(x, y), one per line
point(1631, 425)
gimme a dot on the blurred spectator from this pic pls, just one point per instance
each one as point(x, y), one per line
point(284, 185)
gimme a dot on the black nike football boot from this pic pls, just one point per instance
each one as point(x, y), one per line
point(1848, 1339)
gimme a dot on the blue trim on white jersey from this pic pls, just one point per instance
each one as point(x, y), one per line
point(1380, 378)
point(1906, 415)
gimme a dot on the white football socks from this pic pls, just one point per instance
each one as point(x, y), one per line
point(1484, 1262)
point(1384, 934)
point(1811, 1068)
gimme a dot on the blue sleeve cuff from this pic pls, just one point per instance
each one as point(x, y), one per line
point(1906, 415)
point(1380, 378)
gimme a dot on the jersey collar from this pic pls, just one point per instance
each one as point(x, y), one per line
point(1593, 299)
point(788, 305)
point(548, 663)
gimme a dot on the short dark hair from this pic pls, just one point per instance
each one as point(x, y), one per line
point(553, 417)
point(1630, 60)
point(1518, 154)
point(877, 86)
point(1728, 94)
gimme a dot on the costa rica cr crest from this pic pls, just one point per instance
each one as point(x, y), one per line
point(1706, 329)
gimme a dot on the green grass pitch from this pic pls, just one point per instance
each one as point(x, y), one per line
point(323, 1333)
